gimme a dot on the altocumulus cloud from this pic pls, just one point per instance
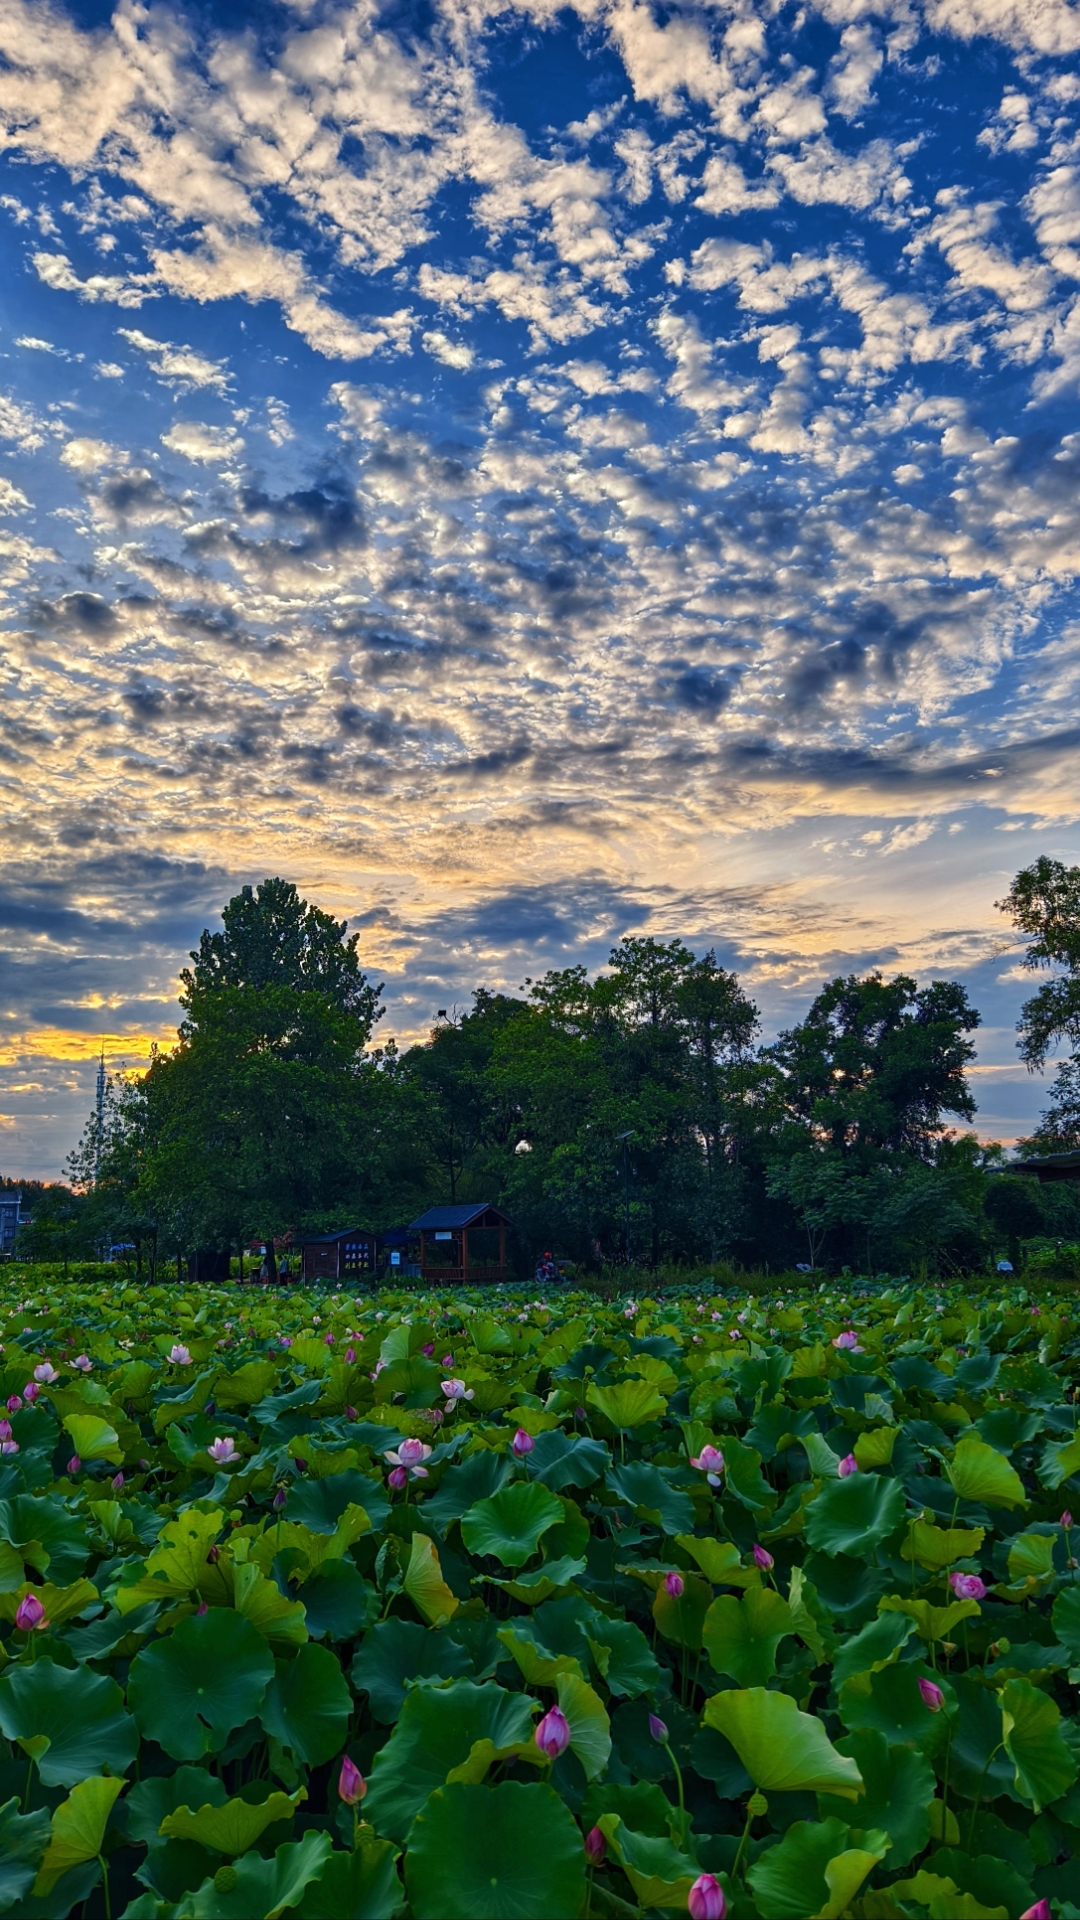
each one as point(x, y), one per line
point(518, 472)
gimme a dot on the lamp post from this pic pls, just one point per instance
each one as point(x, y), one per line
point(624, 1137)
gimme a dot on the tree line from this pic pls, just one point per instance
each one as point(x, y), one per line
point(637, 1112)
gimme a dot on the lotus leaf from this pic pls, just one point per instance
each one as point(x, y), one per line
point(511, 1852)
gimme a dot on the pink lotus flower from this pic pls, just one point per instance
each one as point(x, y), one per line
point(1067, 1520)
point(932, 1695)
point(223, 1450)
point(1040, 1911)
point(553, 1733)
point(848, 1341)
point(5, 1429)
point(117, 1482)
point(31, 1391)
point(9, 1446)
point(285, 1339)
point(46, 1373)
point(658, 1728)
point(522, 1442)
point(83, 1362)
point(710, 1461)
point(351, 1784)
point(447, 1360)
point(30, 1614)
point(429, 1350)
point(848, 1465)
point(674, 1585)
point(967, 1586)
point(408, 1458)
point(706, 1899)
point(329, 1339)
point(351, 1413)
point(397, 1477)
point(350, 1356)
point(763, 1559)
point(14, 1402)
point(595, 1847)
point(74, 1465)
point(456, 1390)
point(179, 1356)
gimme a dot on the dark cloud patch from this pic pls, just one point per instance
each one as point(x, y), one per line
point(698, 690)
point(498, 760)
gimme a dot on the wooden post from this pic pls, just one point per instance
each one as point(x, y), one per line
point(464, 1255)
point(502, 1250)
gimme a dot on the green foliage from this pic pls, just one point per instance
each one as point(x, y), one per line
point(908, 1748)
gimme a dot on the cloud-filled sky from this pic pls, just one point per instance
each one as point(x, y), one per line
point(531, 474)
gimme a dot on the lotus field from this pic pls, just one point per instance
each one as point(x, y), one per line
point(488, 1606)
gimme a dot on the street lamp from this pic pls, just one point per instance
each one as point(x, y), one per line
point(624, 1137)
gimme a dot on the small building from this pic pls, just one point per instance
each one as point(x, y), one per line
point(1047, 1167)
point(11, 1218)
point(463, 1245)
point(349, 1254)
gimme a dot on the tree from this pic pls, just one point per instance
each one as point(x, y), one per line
point(1044, 901)
point(272, 938)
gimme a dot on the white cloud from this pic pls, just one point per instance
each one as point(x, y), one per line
point(452, 353)
point(122, 290)
point(853, 70)
point(86, 455)
point(177, 366)
point(197, 441)
point(726, 189)
point(12, 498)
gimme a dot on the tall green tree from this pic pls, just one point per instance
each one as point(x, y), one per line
point(1044, 903)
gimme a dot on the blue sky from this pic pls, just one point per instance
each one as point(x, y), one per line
point(530, 475)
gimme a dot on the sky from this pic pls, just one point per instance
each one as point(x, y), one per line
point(531, 475)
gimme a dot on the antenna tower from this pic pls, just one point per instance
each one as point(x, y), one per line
point(100, 1109)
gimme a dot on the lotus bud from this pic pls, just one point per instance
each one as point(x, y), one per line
point(350, 1356)
point(46, 1373)
point(553, 1733)
point(674, 1585)
point(848, 1465)
point(397, 1477)
point(932, 1695)
point(83, 1362)
point(351, 1413)
point(657, 1728)
point(117, 1482)
point(9, 1446)
point(706, 1899)
point(14, 1403)
point(522, 1442)
point(1067, 1520)
point(351, 1784)
point(1040, 1911)
point(30, 1392)
point(595, 1847)
point(763, 1559)
point(30, 1613)
point(74, 1465)
point(212, 1554)
point(967, 1586)
point(299, 1463)
point(279, 1499)
point(201, 1609)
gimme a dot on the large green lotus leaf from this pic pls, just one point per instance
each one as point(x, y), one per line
point(898, 1784)
point(743, 1477)
point(628, 1404)
point(720, 1561)
point(61, 1604)
point(590, 1728)
point(659, 1872)
point(338, 1602)
point(436, 1731)
point(396, 1652)
point(889, 1699)
point(978, 1472)
point(178, 1562)
point(476, 1479)
point(939, 1547)
point(247, 1386)
point(1031, 1722)
point(23, 1839)
point(555, 1576)
point(255, 1888)
point(94, 1439)
point(77, 1714)
point(355, 1886)
point(876, 1645)
point(853, 1516)
point(782, 1749)
point(308, 1704)
point(646, 1489)
point(1031, 1557)
point(149, 1803)
point(794, 1878)
point(46, 1520)
point(978, 1763)
point(989, 1879)
point(511, 1524)
point(623, 1657)
point(511, 1852)
point(567, 1460)
point(643, 1807)
point(682, 1617)
point(741, 1636)
point(320, 1504)
point(1060, 1460)
point(190, 1691)
point(1066, 1620)
point(231, 1826)
point(78, 1829)
point(423, 1581)
point(260, 1600)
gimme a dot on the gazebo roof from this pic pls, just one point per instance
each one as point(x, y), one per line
point(438, 1219)
point(1048, 1166)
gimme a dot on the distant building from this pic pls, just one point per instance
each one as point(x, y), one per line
point(12, 1218)
point(350, 1254)
point(463, 1244)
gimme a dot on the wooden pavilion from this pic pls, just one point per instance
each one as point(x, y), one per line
point(463, 1245)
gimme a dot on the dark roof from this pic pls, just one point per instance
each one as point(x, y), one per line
point(1048, 1166)
point(327, 1239)
point(463, 1216)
